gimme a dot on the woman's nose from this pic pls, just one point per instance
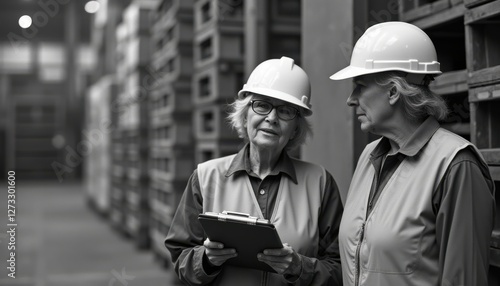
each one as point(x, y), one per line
point(272, 116)
point(352, 100)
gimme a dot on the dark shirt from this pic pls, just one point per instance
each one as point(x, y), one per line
point(265, 190)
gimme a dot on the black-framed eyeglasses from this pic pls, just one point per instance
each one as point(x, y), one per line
point(284, 112)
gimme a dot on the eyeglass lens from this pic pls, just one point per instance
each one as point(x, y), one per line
point(285, 112)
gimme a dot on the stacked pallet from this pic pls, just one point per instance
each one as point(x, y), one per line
point(135, 84)
point(118, 179)
point(98, 126)
point(171, 145)
point(218, 75)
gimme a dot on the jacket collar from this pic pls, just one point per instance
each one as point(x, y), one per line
point(414, 144)
point(241, 162)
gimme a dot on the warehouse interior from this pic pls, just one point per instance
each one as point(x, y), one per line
point(106, 108)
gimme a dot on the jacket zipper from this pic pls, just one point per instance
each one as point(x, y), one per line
point(264, 278)
point(356, 262)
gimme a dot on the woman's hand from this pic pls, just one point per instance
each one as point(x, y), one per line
point(285, 260)
point(216, 253)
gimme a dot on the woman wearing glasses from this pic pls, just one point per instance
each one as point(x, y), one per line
point(301, 199)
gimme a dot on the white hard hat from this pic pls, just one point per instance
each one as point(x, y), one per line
point(392, 46)
point(280, 79)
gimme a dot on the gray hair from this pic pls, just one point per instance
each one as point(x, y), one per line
point(418, 101)
point(237, 118)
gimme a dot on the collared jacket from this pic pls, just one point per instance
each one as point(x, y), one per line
point(409, 237)
point(298, 214)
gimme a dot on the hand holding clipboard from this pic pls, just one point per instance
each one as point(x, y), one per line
point(248, 235)
point(217, 253)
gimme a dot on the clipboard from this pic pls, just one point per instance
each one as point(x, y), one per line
point(248, 235)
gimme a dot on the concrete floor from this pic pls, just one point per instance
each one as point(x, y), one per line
point(61, 242)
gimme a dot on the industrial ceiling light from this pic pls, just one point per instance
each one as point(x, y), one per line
point(25, 21)
point(92, 7)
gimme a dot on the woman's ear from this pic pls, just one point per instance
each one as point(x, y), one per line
point(393, 96)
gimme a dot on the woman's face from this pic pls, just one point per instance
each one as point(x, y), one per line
point(371, 102)
point(269, 132)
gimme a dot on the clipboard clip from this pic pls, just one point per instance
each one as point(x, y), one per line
point(240, 217)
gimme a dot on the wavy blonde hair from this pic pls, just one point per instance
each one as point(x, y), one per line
point(418, 101)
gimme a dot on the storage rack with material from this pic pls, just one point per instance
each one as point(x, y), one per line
point(443, 21)
point(98, 126)
point(134, 118)
point(170, 117)
point(482, 22)
point(118, 167)
point(218, 74)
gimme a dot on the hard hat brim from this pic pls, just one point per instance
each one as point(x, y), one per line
point(351, 72)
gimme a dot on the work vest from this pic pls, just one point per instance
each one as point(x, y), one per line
point(295, 215)
point(398, 244)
